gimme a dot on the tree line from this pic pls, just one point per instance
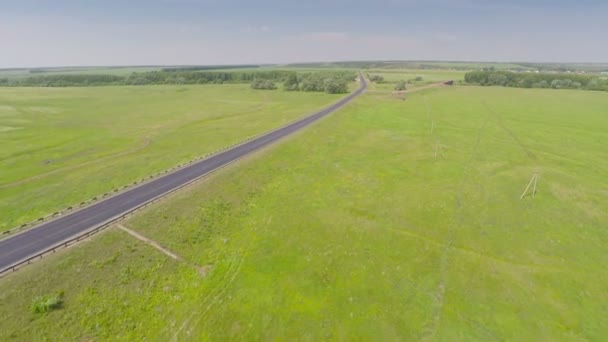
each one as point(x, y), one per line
point(143, 78)
point(78, 80)
point(329, 81)
point(202, 77)
point(536, 80)
point(209, 67)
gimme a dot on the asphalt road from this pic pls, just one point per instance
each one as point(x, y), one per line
point(45, 236)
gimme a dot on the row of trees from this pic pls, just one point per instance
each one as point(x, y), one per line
point(536, 80)
point(210, 67)
point(64, 80)
point(203, 77)
point(144, 78)
point(328, 81)
point(380, 79)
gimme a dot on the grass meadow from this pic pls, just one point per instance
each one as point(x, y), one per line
point(388, 220)
point(61, 146)
point(429, 76)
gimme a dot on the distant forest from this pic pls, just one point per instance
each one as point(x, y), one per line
point(536, 80)
point(329, 81)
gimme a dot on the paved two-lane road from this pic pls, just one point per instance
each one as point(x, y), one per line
point(44, 237)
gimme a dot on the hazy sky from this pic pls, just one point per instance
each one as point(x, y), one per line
point(146, 32)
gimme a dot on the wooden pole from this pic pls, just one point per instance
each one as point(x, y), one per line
point(534, 189)
point(528, 187)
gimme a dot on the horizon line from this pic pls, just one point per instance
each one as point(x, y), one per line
point(295, 63)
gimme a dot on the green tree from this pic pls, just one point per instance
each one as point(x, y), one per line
point(333, 86)
point(497, 79)
point(291, 83)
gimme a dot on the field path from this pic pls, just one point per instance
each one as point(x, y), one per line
point(152, 243)
point(433, 325)
point(429, 86)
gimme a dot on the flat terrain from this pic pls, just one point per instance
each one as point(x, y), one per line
point(393, 76)
point(389, 219)
point(61, 146)
point(119, 71)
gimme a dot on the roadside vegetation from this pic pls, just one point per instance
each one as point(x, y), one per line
point(388, 220)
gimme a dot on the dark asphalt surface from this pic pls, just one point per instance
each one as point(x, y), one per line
point(50, 234)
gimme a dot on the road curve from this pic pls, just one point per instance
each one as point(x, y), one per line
point(44, 237)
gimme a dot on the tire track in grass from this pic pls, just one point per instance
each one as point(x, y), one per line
point(227, 279)
point(429, 111)
point(431, 328)
point(511, 134)
point(531, 156)
point(472, 253)
point(214, 295)
point(438, 146)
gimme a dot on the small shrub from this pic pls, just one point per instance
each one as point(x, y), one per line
point(376, 78)
point(263, 84)
point(44, 304)
point(418, 78)
point(401, 86)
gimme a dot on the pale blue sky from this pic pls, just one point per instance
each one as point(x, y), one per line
point(146, 32)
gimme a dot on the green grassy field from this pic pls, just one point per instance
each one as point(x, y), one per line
point(61, 146)
point(393, 76)
point(389, 220)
